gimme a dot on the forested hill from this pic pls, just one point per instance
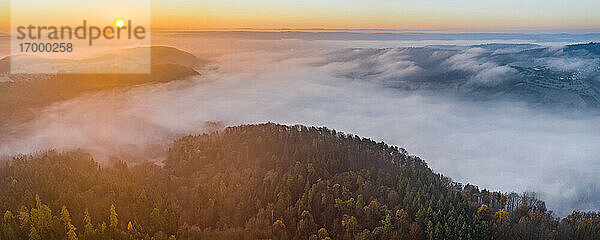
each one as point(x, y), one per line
point(266, 181)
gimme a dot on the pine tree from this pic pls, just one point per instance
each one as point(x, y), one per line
point(430, 231)
point(89, 230)
point(65, 217)
point(438, 233)
point(114, 221)
point(10, 229)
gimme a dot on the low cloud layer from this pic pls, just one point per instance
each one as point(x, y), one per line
point(499, 145)
point(483, 73)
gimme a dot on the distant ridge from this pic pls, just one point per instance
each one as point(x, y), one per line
point(22, 94)
point(592, 47)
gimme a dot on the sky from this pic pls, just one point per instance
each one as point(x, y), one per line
point(387, 14)
point(462, 15)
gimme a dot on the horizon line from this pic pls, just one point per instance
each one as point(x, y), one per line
point(4, 32)
point(381, 30)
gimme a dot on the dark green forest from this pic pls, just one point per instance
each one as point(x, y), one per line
point(265, 181)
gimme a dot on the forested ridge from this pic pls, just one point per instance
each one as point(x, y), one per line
point(266, 181)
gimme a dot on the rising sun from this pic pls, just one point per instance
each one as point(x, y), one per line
point(120, 23)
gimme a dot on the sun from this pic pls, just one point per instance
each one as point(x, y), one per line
point(120, 23)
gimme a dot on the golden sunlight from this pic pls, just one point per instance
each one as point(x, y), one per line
point(120, 23)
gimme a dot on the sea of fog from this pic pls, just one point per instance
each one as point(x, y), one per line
point(499, 145)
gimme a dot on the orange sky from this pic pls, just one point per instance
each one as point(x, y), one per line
point(387, 14)
point(4, 12)
point(359, 14)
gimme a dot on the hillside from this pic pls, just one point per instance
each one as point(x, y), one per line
point(541, 77)
point(266, 181)
point(25, 94)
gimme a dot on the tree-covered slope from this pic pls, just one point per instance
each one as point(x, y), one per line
point(265, 181)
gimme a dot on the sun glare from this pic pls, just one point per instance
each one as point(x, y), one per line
point(120, 23)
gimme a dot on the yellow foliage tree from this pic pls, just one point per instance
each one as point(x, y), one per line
point(501, 215)
point(482, 210)
point(114, 221)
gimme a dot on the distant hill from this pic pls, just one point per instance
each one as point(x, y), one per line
point(25, 93)
point(131, 60)
point(565, 77)
point(266, 181)
point(591, 47)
